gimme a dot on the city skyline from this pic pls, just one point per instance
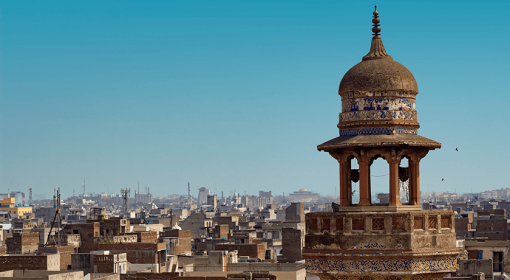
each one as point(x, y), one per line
point(236, 96)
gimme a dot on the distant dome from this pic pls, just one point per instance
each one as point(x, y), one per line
point(303, 190)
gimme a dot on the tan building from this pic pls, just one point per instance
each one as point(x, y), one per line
point(8, 203)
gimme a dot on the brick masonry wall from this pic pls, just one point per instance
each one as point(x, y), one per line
point(492, 229)
point(23, 262)
point(291, 245)
point(87, 232)
point(22, 243)
point(65, 256)
point(176, 233)
point(149, 276)
point(137, 253)
point(147, 237)
point(103, 264)
point(250, 250)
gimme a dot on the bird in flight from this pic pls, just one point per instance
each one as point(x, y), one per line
point(456, 149)
point(442, 180)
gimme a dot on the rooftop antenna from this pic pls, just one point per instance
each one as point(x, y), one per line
point(189, 196)
point(56, 205)
point(125, 196)
point(83, 187)
point(30, 196)
point(59, 217)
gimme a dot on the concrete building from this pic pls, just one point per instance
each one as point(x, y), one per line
point(143, 198)
point(295, 212)
point(9, 204)
point(212, 200)
point(178, 242)
point(257, 250)
point(303, 195)
point(202, 195)
point(100, 262)
point(496, 251)
point(265, 194)
point(196, 222)
point(140, 256)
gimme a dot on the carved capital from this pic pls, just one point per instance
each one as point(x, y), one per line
point(417, 155)
point(340, 156)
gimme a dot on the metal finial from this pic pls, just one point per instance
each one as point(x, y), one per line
point(376, 29)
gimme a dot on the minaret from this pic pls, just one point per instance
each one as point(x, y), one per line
point(370, 240)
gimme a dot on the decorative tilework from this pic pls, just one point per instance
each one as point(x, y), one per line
point(378, 103)
point(378, 131)
point(425, 265)
point(378, 115)
point(372, 246)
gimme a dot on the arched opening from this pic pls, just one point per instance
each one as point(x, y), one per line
point(354, 191)
point(404, 179)
point(378, 188)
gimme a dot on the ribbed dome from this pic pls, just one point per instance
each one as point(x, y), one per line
point(378, 72)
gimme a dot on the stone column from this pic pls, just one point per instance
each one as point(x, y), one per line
point(364, 180)
point(394, 183)
point(345, 182)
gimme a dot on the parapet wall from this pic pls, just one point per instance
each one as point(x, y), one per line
point(384, 231)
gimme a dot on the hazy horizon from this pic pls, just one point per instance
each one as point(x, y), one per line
point(237, 95)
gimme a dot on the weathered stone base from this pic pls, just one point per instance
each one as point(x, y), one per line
point(433, 276)
point(382, 268)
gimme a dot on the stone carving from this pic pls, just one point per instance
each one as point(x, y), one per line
point(378, 130)
point(439, 264)
point(363, 94)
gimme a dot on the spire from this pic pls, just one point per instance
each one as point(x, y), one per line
point(376, 29)
point(377, 50)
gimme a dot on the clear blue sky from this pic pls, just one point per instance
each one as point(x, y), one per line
point(235, 95)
